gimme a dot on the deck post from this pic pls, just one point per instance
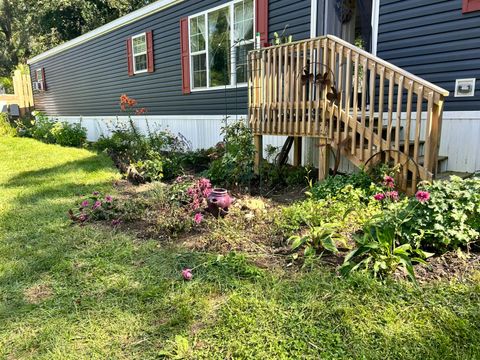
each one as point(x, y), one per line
point(297, 151)
point(258, 142)
point(323, 159)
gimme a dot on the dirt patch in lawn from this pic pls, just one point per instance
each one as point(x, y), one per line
point(452, 265)
point(38, 293)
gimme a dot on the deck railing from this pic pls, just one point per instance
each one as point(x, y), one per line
point(330, 89)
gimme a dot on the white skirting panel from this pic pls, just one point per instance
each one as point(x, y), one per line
point(460, 134)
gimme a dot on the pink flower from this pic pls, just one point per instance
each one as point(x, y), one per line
point(108, 198)
point(95, 193)
point(97, 205)
point(379, 196)
point(198, 218)
point(422, 196)
point(393, 195)
point(187, 274)
point(389, 182)
point(116, 222)
point(83, 217)
point(84, 203)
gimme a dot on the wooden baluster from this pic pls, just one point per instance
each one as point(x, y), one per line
point(251, 92)
point(398, 121)
point(274, 53)
point(408, 120)
point(265, 97)
point(428, 163)
point(371, 123)
point(361, 153)
point(341, 71)
point(381, 96)
point(268, 82)
point(304, 90)
point(311, 88)
point(323, 70)
point(348, 92)
point(332, 46)
point(318, 89)
point(355, 105)
point(286, 86)
point(291, 76)
point(418, 128)
point(436, 131)
point(280, 80)
point(298, 80)
point(391, 87)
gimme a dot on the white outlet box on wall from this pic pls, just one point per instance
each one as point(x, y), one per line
point(465, 87)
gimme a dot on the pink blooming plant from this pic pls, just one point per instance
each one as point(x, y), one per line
point(422, 196)
point(379, 196)
point(187, 274)
point(108, 198)
point(392, 195)
point(84, 203)
point(96, 205)
point(389, 182)
point(198, 218)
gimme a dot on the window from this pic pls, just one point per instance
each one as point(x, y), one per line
point(139, 48)
point(39, 75)
point(220, 40)
point(470, 5)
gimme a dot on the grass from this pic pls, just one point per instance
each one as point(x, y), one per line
point(69, 292)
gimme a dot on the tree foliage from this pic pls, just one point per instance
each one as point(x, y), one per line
point(29, 27)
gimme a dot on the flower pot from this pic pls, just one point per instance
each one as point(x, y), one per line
point(219, 201)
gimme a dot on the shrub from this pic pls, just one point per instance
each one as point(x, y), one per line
point(66, 134)
point(235, 167)
point(6, 128)
point(450, 219)
point(42, 129)
point(94, 207)
point(332, 185)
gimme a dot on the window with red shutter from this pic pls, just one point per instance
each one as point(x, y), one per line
point(129, 57)
point(470, 5)
point(215, 44)
point(150, 54)
point(185, 50)
point(44, 81)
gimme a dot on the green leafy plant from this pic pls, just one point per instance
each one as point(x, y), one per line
point(66, 134)
point(42, 128)
point(378, 251)
point(450, 219)
point(152, 168)
point(235, 167)
point(332, 185)
point(317, 240)
point(6, 128)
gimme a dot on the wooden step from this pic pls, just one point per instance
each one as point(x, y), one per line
point(441, 158)
point(446, 175)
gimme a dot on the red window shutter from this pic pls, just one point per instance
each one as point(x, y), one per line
point(44, 80)
point(130, 57)
point(261, 12)
point(185, 49)
point(150, 57)
point(470, 5)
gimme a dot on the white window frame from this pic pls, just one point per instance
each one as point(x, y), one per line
point(39, 75)
point(233, 47)
point(142, 53)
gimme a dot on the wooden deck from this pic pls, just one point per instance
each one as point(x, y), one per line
point(351, 101)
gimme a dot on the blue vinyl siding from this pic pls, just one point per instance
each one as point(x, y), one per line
point(88, 79)
point(434, 40)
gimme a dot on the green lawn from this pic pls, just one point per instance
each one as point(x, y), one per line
point(69, 292)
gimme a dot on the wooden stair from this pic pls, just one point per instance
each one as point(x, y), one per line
point(395, 118)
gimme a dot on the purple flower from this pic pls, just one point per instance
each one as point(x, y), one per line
point(187, 274)
point(108, 198)
point(97, 205)
point(198, 218)
point(389, 182)
point(393, 195)
point(116, 222)
point(84, 203)
point(422, 196)
point(95, 193)
point(379, 196)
